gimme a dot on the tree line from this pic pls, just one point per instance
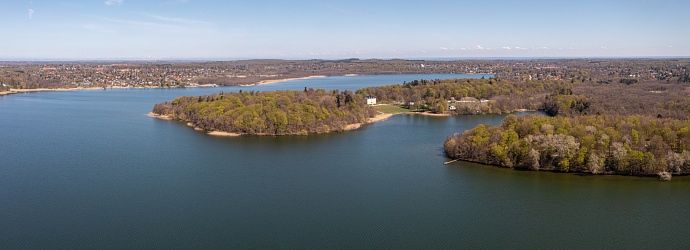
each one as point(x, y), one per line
point(270, 112)
point(506, 95)
point(604, 144)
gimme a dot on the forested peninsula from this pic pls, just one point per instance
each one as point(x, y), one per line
point(270, 112)
point(618, 126)
point(629, 145)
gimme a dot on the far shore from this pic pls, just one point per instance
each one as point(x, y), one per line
point(282, 80)
point(17, 91)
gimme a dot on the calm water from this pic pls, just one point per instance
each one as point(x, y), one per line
point(88, 169)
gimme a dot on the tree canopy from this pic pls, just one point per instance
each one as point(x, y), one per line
point(637, 145)
point(270, 112)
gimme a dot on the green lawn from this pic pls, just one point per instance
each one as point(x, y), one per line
point(391, 109)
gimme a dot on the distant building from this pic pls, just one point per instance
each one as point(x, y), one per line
point(371, 100)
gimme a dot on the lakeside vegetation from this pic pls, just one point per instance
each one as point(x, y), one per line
point(270, 112)
point(630, 145)
point(468, 96)
point(600, 127)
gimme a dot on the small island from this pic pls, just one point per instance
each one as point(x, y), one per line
point(270, 112)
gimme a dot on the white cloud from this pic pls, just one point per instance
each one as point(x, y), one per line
point(479, 47)
point(31, 14)
point(506, 48)
point(520, 48)
point(442, 48)
point(602, 47)
point(113, 2)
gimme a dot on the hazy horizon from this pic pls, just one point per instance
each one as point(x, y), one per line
point(327, 59)
point(219, 30)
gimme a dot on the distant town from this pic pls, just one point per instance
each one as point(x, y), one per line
point(53, 75)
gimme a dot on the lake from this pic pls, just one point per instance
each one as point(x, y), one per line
point(89, 169)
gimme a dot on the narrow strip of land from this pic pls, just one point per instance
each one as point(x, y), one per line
point(282, 80)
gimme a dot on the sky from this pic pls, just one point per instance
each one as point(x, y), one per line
point(321, 29)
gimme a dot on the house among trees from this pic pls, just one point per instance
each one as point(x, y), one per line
point(371, 100)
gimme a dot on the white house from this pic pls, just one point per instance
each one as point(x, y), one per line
point(371, 100)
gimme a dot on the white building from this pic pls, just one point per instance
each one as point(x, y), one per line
point(371, 100)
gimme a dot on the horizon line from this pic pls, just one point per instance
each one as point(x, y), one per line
point(330, 59)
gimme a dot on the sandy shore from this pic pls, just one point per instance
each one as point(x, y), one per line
point(281, 80)
point(216, 133)
point(377, 118)
point(164, 117)
point(220, 133)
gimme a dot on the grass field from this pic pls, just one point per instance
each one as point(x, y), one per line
point(391, 109)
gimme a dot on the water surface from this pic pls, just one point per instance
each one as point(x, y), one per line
point(88, 169)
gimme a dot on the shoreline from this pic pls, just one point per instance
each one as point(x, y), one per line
point(608, 173)
point(164, 117)
point(281, 80)
point(429, 113)
point(17, 91)
point(377, 118)
point(22, 91)
point(221, 133)
point(215, 133)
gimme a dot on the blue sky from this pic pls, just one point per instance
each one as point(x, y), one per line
point(202, 29)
